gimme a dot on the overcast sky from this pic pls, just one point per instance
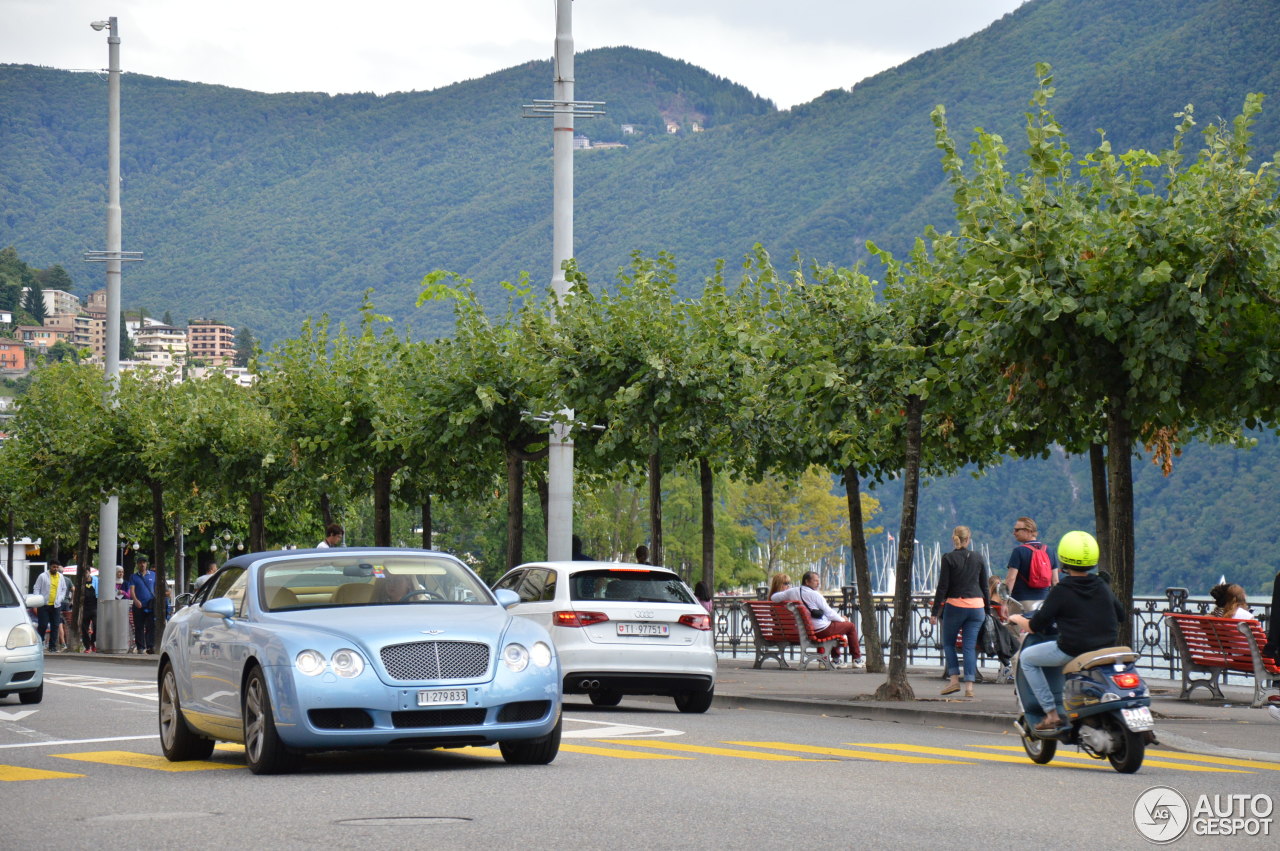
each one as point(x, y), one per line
point(790, 51)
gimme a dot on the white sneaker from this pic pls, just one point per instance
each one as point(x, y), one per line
point(858, 663)
point(843, 664)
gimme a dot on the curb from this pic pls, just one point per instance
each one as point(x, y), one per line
point(865, 711)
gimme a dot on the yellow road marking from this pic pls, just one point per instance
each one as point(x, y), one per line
point(992, 757)
point(17, 772)
point(1158, 763)
point(673, 746)
point(880, 757)
point(142, 760)
point(617, 754)
point(229, 747)
point(1217, 760)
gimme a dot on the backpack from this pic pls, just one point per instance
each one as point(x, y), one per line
point(1041, 573)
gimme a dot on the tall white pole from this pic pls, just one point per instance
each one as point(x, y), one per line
point(560, 450)
point(108, 515)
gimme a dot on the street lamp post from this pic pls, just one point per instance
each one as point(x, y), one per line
point(113, 614)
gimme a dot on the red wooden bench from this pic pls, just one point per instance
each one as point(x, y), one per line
point(1211, 646)
point(778, 627)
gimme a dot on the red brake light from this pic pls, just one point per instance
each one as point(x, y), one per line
point(1127, 680)
point(696, 621)
point(577, 618)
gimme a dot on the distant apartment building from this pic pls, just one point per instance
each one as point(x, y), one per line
point(239, 374)
point(60, 301)
point(160, 345)
point(210, 342)
point(97, 304)
point(40, 337)
point(13, 354)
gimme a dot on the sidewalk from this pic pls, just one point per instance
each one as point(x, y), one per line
point(1213, 727)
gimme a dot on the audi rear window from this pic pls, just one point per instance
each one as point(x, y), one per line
point(629, 586)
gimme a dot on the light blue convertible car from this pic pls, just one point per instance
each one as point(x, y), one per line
point(314, 650)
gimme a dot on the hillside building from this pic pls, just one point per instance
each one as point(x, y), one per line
point(211, 342)
point(13, 355)
point(160, 345)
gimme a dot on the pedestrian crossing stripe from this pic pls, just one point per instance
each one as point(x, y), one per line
point(18, 772)
point(989, 757)
point(876, 757)
point(1158, 763)
point(142, 760)
point(675, 746)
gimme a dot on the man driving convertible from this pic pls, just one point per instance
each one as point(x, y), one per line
point(1086, 614)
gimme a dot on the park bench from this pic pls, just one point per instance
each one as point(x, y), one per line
point(1210, 645)
point(778, 627)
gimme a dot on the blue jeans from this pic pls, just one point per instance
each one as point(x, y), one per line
point(957, 619)
point(1034, 659)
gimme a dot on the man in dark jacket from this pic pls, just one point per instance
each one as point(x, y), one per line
point(1087, 616)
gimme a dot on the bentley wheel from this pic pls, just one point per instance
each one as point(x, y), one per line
point(263, 751)
point(539, 751)
point(177, 741)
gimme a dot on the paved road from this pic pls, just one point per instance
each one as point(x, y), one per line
point(641, 775)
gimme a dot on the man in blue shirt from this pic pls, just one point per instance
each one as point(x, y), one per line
point(143, 586)
point(1019, 568)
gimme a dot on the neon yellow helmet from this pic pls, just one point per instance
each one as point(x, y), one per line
point(1078, 550)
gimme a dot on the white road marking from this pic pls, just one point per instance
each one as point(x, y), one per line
point(57, 743)
point(144, 689)
point(17, 716)
point(614, 730)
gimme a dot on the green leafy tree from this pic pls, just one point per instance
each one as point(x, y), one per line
point(1132, 299)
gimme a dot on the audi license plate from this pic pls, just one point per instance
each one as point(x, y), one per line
point(660, 630)
point(1138, 719)
point(442, 697)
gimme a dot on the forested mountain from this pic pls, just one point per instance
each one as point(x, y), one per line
point(266, 208)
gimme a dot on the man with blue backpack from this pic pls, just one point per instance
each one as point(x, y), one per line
point(1031, 571)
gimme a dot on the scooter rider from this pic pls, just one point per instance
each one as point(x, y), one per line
point(1087, 617)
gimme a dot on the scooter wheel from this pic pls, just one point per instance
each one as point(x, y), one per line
point(1127, 757)
point(1040, 750)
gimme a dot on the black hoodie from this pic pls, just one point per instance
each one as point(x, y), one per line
point(1086, 612)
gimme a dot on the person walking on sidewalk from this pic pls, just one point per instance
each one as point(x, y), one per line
point(52, 587)
point(1087, 615)
point(1030, 591)
point(143, 586)
point(827, 622)
point(963, 603)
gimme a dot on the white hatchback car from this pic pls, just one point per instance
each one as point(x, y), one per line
point(620, 629)
point(21, 651)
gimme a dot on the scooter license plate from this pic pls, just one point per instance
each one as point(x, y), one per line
point(1138, 719)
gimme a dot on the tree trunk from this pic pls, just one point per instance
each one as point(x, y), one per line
point(257, 523)
point(897, 687)
point(515, 509)
point(12, 532)
point(382, 506)
point(1120, 549)
point(158, 532)
point(707, 482)
point(426, 521)
point(862, 572)
point(655, 499)
point(1101, 514)
point(326, 511)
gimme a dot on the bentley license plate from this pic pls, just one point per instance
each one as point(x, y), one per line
point(1138, 719)
point(442, 697)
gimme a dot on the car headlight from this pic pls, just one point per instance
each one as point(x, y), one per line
point(22, 635)
point(309, 662)
point(347, 663)
point(540, 654)
point(515, 657)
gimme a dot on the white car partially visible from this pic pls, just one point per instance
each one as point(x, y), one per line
point(620, 629)
point(21, 651)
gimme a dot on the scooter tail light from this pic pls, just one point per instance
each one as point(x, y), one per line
point(577, 619)
point(1127, 680)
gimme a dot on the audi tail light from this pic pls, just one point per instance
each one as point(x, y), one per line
point(577, 618)
point(696, 621)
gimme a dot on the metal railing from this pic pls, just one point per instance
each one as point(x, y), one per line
point(1151, 638)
